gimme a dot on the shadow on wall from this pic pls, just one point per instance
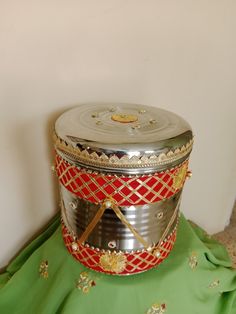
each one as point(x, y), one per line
point(49, 129)
point(50, 150)
point(32, 149)
point(32, 145)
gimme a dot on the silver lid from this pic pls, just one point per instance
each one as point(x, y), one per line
point(128, 138)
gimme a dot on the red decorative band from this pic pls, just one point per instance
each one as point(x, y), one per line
point(125, 190)
point(118, 263)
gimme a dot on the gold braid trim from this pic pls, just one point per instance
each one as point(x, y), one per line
point(110, 203)
point(128, 225)
point(92, 224)
point(172, 219)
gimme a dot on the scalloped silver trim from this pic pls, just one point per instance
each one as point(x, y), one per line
point(118, 175)
point(125, 161)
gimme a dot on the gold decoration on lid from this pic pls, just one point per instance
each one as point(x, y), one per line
point(124, 118)
point(141, 111)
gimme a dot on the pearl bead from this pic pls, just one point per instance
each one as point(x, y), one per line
point(157, 253)
point(189, 174)
point(74, 246)
point(108, 204)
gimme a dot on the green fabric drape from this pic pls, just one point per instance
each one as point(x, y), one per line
point(196, 278)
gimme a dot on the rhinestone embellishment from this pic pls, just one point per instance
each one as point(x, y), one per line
point(160, 215)
point(112, 244)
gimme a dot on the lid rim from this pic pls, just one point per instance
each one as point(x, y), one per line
point(127, 162)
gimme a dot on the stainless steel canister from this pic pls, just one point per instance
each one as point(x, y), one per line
point(121, 169)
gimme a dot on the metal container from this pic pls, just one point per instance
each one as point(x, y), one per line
point(121, 169)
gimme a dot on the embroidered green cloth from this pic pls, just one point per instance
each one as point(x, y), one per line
point(45, 279)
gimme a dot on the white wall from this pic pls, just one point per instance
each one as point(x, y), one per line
point(179, 55)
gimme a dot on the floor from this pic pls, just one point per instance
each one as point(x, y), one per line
point(228, 237)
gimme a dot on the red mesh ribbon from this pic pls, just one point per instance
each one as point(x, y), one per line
point(135, 190)
point(135, 262)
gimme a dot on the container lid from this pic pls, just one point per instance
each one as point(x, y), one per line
point(129, 138)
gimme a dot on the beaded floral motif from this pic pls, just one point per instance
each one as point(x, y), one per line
point(193, 260)
point(85, 282)
point(214, 284)
point(43, 269)
point(157, 309)
point(114, 262)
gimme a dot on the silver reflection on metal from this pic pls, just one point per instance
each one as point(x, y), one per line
point(110, 227)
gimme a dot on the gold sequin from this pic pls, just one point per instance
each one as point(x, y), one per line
point(157, 309)
point(43, 269)
point(85, 282)
point(114, 262)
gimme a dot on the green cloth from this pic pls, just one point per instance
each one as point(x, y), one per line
point(195, 279)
